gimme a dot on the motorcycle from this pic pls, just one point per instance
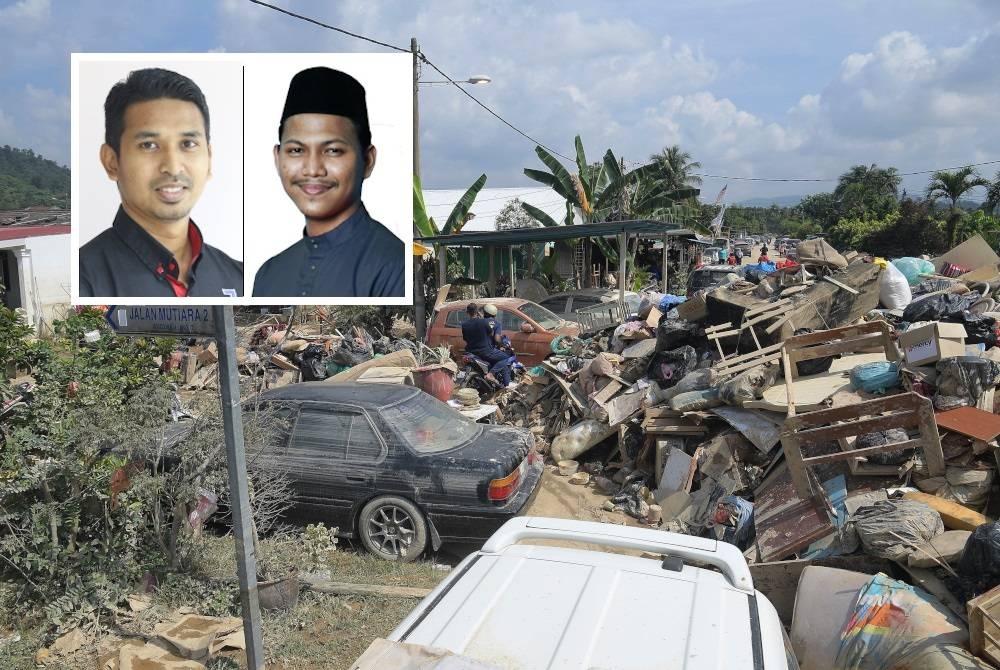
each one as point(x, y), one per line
point(474, 370)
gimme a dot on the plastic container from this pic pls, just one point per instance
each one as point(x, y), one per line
point(434, 379)
point(568, 467)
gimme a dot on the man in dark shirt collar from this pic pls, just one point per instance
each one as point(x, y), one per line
point(157, 151)
point(323, 157)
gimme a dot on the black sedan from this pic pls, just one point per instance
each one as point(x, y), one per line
point(395, 467)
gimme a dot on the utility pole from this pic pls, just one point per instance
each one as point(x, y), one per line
point(419, 308)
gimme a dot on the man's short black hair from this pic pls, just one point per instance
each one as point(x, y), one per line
point(472, 308)
point(141, 86)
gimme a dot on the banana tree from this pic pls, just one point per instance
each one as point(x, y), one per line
point(603, 191)
point(425, 226)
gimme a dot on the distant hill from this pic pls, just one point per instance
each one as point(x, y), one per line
point(779, 200)
point(29, 180)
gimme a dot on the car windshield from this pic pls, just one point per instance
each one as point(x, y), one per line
point(540, 315)
point(428, 425)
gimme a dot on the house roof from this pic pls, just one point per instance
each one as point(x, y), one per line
point(33, 222)
point(490, 202)
point(550, 234)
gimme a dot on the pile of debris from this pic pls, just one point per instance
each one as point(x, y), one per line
point(800, 421)
point(279, 350)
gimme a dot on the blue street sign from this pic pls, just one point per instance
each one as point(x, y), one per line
point(161, 320)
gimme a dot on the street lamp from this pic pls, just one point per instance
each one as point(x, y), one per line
point(418, 281)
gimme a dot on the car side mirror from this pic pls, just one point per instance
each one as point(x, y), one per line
point(527, 328)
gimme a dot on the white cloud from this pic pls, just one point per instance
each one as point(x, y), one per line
point(25, 13)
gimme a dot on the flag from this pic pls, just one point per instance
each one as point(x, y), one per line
point(717, 221)
point(718, 198)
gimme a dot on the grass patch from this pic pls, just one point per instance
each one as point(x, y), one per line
point(324, 631)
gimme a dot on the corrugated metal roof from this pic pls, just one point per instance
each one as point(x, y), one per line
point(550, 234)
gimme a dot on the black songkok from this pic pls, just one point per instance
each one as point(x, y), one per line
point(322, 90)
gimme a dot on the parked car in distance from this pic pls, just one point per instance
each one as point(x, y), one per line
point(532, 606)
point(530, 327)
point(708, 276)
point(395, 467)
point(592, 308)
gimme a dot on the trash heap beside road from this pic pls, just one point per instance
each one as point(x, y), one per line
point(833, 418)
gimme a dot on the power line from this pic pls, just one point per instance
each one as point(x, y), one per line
point(422, 57)
point(328, 26)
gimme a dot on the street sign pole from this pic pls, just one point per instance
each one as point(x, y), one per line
point(239, 495)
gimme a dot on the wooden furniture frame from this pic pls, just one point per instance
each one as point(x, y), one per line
point(906, 410)
point(848, 339)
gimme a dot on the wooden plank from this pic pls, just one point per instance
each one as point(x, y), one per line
point(861, 453)
point(608, 392)
point(346, 589)
point(970, 421)
point(984, 625)
point(900, 401)
point(676, 430)
point(661, 411)
point(823, 434)
point(955, 516)
point(786, 523)
point(841, 285)
point(624, 406)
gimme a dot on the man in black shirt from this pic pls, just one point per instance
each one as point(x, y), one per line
point(156, 148)
point(478, 335)
point(323, 157)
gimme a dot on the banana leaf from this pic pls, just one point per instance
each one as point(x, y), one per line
point(423, 226)
point(458, 213)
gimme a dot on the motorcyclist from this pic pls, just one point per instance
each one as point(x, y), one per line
point(478, 334)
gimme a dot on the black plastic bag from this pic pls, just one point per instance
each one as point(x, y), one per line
point(669, 367)
point(931, 286)
point(312, 363)
point(981, 557)
point(877, 439)
point(941, 307)
point(351, 352)
point(629, 496)
point(673, 333)
point(980, 329)
point(754, 275)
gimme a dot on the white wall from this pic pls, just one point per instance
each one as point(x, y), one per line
point(50, 264)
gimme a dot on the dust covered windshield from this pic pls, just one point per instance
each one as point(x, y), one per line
point(540, 315)
point(428, 425)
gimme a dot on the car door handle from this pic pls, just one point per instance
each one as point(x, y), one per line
point(358, 478)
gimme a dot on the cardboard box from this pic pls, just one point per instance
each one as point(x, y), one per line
point(930, 343)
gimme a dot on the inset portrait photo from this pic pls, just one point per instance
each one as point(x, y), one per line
point(157, 178)
point(328, 177)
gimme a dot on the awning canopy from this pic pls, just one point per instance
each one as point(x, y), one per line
point(516, 236)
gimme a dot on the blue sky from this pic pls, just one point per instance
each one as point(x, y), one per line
point(769, 88)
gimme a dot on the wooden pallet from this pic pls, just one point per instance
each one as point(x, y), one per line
point(906, 410)
point(849, 339)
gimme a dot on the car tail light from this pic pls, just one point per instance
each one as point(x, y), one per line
point(501, 489)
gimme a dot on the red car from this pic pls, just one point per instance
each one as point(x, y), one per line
point(530, 327)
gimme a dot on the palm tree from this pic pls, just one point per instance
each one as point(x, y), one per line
point(953, 185)
point(867, 190)
point(992, 202)
point(675, 167)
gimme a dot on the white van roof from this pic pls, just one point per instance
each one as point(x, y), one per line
point(530, 606)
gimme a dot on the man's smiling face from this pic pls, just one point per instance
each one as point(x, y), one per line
point(163, 162)
point(322, 166)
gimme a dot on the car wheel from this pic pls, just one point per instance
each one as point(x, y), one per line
point(393, 528)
